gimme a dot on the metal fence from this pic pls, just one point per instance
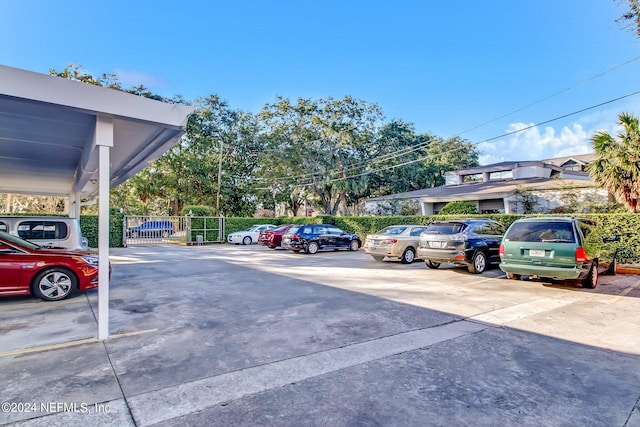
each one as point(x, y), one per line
point(180, 230)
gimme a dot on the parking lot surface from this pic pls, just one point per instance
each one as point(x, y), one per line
point(244, 335)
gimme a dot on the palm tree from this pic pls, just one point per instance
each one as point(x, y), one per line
point(617, 167)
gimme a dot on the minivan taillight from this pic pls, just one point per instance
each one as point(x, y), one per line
point(501, 250)
point(581, 255)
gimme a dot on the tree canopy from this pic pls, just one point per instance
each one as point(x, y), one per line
point(328, 154)
point(617, 167)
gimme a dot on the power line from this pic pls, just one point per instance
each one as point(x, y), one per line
point(368, 172)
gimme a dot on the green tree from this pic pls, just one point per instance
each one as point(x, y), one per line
point(448, 155)
point(631, 18)
point(318, 149)
point(617, 167)
point(397, 164)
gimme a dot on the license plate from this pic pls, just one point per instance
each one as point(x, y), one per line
point(436, 244)
point(536, 252)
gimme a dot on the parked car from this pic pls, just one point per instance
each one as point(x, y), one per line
point(46, 231)
point(396, 241)
point(547, 247)
point(273, 238)
point(50, 274)
point(250, 235)
point(311, 238)
point(149, 229)
point(473, 243)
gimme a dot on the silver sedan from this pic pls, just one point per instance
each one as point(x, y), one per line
point(394, 242)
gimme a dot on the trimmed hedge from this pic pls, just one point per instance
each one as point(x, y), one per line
point(625, 225)
point(89, 226)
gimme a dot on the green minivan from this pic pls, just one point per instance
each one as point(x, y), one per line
point(547, 247)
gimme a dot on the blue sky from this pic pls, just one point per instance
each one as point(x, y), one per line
point(478, 69)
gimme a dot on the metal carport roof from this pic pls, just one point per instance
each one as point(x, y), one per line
point(67, 138)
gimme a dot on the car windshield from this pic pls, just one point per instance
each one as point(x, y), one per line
point(446, 228)
point(393, 230)
point(293, 230)
point(541, 232)
point(281, 228)
point(18, 241)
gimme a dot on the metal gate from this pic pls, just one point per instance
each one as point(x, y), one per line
point(181, 230)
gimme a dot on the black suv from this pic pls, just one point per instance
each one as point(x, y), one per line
point(473, 243)
point(311, 238)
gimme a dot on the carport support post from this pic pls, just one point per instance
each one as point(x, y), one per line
point(104, 141)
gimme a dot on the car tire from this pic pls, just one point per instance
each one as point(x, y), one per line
point(408, 256)
point(246, 240)
point(591, 281)
point(354, 245)
point(54, 284)
point(165, 234)
point(431, 264)
point(479, 263)
point(312, 247)
point(378, 258)
point(134, 235)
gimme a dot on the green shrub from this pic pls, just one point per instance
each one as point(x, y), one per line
point(459, 207)
point(89, 226)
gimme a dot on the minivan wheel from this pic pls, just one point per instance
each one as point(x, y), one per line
point(431, 264)
point(591, 281)
point(408, 256)
point(312, 247)
point(479, 263)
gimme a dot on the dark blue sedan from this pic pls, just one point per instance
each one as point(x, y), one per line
point(311, 238)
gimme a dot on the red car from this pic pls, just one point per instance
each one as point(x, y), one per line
point(272, 238)
point(50, 274)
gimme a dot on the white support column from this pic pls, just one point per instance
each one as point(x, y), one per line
point(426, 208)
point(104, 141)
point(74, 205)
point(507, 205)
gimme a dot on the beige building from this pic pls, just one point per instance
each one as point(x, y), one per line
point(507, 187)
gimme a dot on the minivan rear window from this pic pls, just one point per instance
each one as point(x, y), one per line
point(42, 230)
point(540, 232)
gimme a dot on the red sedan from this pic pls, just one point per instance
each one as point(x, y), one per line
point(50, 274)
point(272, 238)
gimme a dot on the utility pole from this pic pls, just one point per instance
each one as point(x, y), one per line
point(219, 179)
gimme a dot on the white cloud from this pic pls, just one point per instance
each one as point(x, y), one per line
point(529, 142)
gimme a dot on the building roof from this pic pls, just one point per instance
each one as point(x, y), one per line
point(494, 189)
point(47, 127)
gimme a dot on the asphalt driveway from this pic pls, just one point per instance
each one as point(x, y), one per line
point(243, 335)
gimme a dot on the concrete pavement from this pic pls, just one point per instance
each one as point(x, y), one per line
point(225, 335)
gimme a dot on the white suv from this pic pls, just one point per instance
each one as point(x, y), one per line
point(47, 231)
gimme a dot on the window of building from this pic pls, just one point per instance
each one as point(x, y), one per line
point(501, 175)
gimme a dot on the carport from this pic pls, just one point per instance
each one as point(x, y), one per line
point(60, 137)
